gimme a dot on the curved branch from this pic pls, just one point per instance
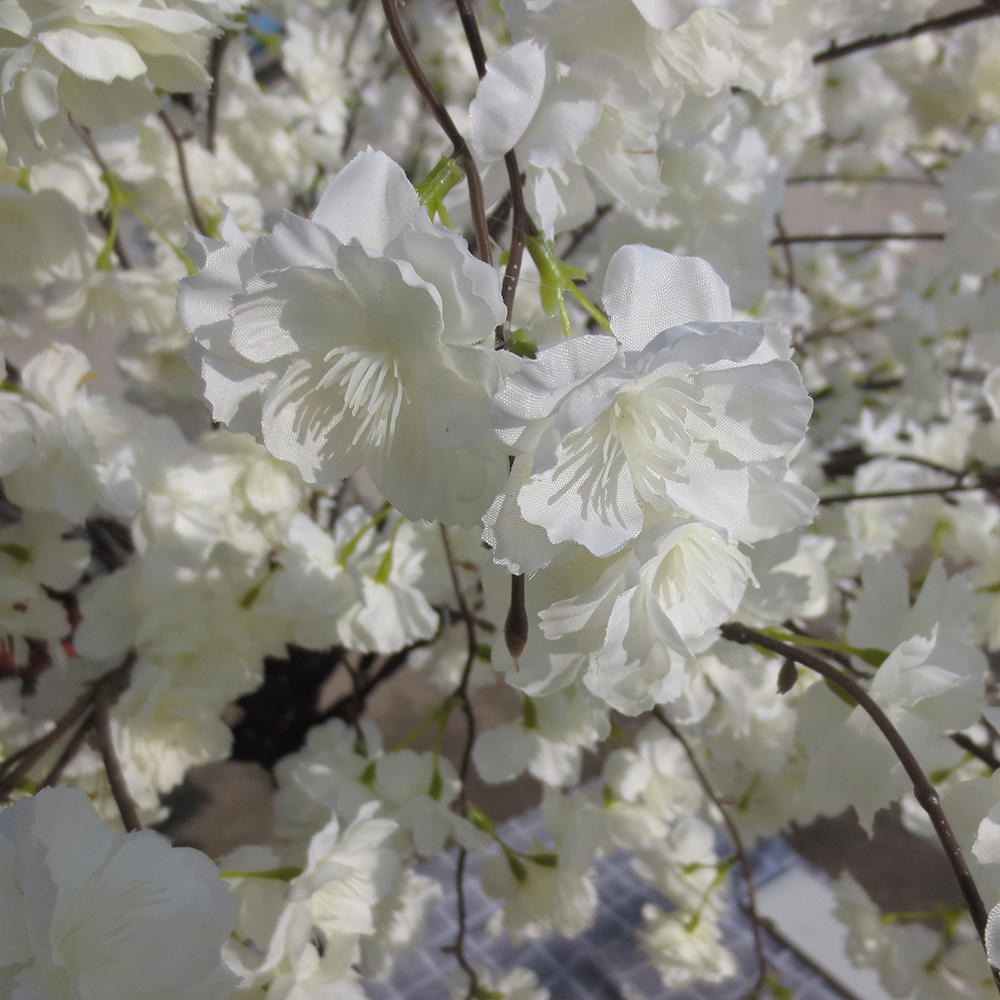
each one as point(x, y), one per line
point(925, 792)
point(734, 836)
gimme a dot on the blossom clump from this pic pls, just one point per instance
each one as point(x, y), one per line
point(360, 337)
point(93, 63)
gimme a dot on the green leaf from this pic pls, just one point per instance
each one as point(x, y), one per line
point(437, 784)
point(840, 693)
point(778, 989)
point(547, 859)
point(517, 868)
point(435, 186)
point(479, 820)
point(521, 344)
point(530, 714)
point(18, 553)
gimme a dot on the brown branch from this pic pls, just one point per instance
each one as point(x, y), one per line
point(71, 750)
point(199, 221)
point(219, 46)
point(779, 241)
point(112, 766)
point(461, 695)
point(955, 20)
point(460, 150)
point(859, 179)
point(925, 793)
point(916, 491)
point(787, 249)
point(578, 235)
point(985, 754)
point(522, 226)
point(738, 847)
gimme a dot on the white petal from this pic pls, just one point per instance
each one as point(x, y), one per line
point(507, 99)
point(647, 291)
point(370, 200)
point(93, 57)
point(669, 14)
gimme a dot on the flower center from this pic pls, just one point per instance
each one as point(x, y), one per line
point(372, 383)
point(650, 424)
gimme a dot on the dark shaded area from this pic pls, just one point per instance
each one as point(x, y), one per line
point(275, 719)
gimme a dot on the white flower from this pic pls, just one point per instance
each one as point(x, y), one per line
point(42, 239)
point(96, 61)
point(676, 417)
point(929, 686)
point(628, 622)
point(685, 950)
point(359, 588)
point(200, 637)
point(304, 936)
point(89, 915)
point(70, 452)
point(362, 337)
point(557, 891)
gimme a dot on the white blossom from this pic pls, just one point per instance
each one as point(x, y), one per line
point(92, 914)
point(356, 340)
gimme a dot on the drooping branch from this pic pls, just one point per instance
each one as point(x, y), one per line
point(859, 179)
point(522, 226)
point(916, 491)
point(461, 696)
point(734, 836)
point(954, 20)
point(925, 792)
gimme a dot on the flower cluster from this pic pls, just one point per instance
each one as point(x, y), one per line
point(506, 418)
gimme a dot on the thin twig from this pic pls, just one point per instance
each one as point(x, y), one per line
point(71, 749)
point(985, 754)
point(17, 766)
point(854, 238)
point(112, 766)
point(738, 847)
point(955, 20)
point(578, 235)
point(860, 179)
point(522, 226)
point(925, 793)
point(461, 694)
point(916, 491)
point(182, 166)
point(787, 249)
